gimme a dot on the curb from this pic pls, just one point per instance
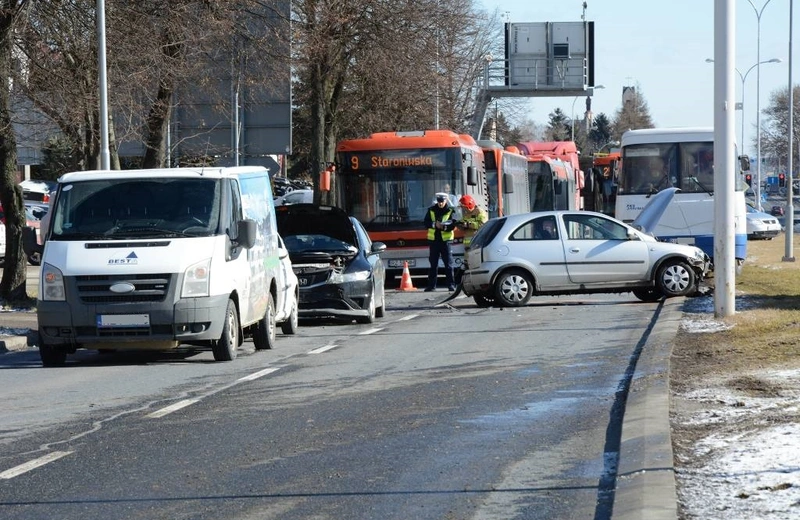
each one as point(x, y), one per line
point(14, 343)
point(646, 487)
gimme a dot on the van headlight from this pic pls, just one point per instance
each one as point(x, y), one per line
point(52, 284)
point(196, 280)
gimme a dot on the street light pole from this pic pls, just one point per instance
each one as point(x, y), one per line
point(572, 137)
point(743, 77)
point(758, 99)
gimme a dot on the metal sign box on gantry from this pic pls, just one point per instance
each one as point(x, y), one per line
point(550, 56)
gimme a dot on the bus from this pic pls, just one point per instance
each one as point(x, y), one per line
point(604, 173)
point(555, 179)
point(507, 177)
point(654, 159)
point(390, 179)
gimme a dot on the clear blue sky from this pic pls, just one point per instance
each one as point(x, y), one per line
point(662, 46)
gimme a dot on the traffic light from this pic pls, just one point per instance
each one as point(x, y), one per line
point(748, 178)
point(781, 180)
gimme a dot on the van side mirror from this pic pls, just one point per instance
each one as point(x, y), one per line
point(246, 232)
point(744, 163)
point(508, 183)
point(472, 177)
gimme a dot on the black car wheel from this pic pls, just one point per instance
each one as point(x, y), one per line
point(264, 336)
point(370, 317)
point(224, 348)
point(513, 288)
point(380, 310)
point(675, 278)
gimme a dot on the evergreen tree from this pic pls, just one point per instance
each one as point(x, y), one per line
point(559, 127)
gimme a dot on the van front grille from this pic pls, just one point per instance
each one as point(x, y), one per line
point(95, 289)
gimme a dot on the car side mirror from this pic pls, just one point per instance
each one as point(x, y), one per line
point(378, 248)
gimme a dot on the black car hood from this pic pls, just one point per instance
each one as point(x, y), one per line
point(313, 219)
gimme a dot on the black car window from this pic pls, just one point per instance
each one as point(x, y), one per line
point(487, 232)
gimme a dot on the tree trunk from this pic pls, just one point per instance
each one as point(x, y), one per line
point(12, 285)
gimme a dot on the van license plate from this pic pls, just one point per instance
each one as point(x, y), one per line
point(123, 320)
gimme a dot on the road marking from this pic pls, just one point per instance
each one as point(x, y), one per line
point(172, 408)
point(409, 317)
point(33, 464)
point(260, 373)
point(370, 331)
point(320, 350)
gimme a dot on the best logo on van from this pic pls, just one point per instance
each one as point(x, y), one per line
point(130, 259)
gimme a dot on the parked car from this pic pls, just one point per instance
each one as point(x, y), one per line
point(338, 267)
point(510, 259)
point(777, 211)
point(761, 225)
point(37, 190)
point(34, 212)
point(295, 197)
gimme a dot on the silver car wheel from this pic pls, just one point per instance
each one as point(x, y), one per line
point(676, 279)
point(513, 288)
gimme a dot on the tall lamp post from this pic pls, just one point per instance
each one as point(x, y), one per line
point(572, 137)
point(758, 99)
point(743, 77)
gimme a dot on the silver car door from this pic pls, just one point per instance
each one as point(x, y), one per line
point(541, 250)
point(599, 251)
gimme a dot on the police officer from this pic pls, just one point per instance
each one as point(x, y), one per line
point(440, 224)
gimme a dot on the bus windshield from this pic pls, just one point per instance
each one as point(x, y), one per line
point(648, 168)
point(392, 189)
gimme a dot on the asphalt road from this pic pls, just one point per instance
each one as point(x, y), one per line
point(433, 412)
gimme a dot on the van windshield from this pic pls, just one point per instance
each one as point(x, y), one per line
point(136, 208)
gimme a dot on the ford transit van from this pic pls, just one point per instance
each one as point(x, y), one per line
point(155, 259)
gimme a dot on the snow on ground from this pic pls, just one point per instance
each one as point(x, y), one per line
point(754, 472)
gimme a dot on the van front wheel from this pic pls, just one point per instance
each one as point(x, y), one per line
point(225, 347)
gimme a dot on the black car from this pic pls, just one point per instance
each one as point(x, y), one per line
point(339, 269)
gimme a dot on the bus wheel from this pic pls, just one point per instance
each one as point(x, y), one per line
point(513, 288)
point(675, 278)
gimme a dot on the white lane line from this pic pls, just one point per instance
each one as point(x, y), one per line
point(260, 373)
point(171, 408)
point(33, 464)
point(409, 317)
point(320, 350)
point(370, 331)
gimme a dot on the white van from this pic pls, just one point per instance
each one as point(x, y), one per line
point(152, 259)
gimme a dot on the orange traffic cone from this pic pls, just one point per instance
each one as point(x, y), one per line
point(405, 281)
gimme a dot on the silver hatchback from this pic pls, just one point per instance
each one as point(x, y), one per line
point(572, 252)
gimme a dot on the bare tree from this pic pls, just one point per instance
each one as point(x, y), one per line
point(775, 126)
point(13, 15)
point(373, 65)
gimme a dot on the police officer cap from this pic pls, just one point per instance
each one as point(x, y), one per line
point(441, 196)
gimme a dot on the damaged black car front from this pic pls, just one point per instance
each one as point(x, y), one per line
point(338, 267)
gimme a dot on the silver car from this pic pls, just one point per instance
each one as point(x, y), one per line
point(571, 252)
